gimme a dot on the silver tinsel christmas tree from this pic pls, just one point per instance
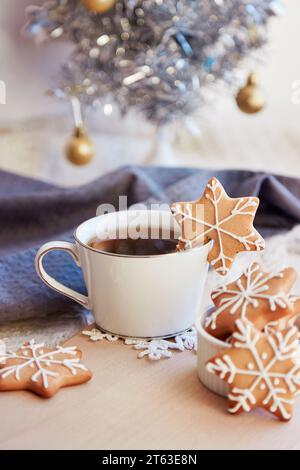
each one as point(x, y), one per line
point(158, 56)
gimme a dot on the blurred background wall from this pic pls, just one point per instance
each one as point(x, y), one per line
point(34, 127)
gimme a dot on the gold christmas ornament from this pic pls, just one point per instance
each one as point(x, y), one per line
point(99, 6)
point(250, 99)
point(79, 149)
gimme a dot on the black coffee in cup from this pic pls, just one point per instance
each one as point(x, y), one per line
point(135, 247)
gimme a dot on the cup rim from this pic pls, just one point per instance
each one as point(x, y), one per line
point(117, 255)
point(202, 332)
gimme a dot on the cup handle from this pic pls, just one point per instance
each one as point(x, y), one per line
point(50, 281)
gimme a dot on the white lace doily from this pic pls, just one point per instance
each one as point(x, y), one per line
point(154, 349)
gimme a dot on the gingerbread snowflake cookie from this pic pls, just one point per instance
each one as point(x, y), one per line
point(257, 296)
point(227, 221)
point(42, 370)
point(262, 370)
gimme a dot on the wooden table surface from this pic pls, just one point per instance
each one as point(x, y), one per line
point(137, 404)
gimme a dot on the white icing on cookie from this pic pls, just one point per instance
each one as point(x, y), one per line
point(240, 297)
point(284, 346)
point(33, 356)
point(241, 209)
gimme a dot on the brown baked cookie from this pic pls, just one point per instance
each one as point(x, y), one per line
point(262, 370)
point(257, 296)
point(227, 221)
point(42, 370)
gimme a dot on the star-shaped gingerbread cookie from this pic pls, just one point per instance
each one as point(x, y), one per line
point(262, 370)
point(227, 221)
point(42, 370)
point(258, 296)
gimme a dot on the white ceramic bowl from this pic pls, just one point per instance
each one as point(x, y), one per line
point(208, 346)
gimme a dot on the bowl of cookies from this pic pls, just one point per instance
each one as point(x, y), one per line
point(248, 342)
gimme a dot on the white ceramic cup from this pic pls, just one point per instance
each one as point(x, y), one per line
point(208, 347)
point(134, 296)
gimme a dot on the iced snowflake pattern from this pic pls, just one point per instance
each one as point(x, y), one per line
point(214, 194)
point(240, 297)
point(33, 355)
point(269, 361)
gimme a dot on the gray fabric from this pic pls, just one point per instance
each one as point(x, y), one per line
point(32, 213)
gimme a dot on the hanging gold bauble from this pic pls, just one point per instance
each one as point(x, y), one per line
point(250, 99)
point(98, 6)
point(79, 149)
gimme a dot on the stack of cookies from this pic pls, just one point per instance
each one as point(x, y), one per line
point(253, 316)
